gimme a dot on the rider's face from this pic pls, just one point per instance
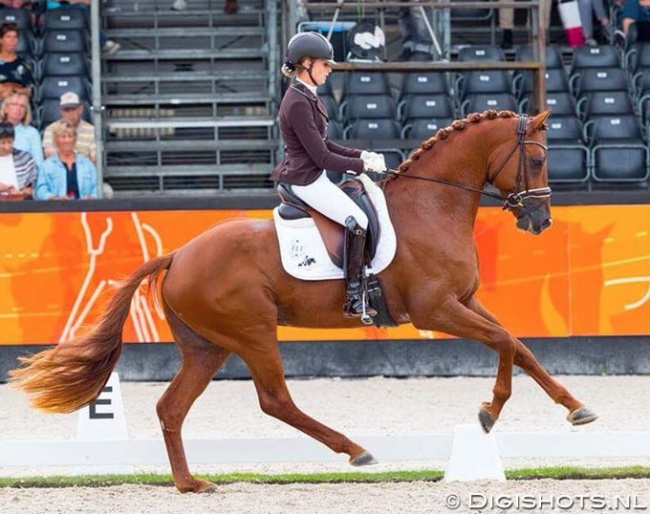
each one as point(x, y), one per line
point(320, 70)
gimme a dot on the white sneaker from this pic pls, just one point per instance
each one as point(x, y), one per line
point(179, 5)
point(110, 47)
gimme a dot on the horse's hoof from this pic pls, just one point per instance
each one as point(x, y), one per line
point(582, 416)
point(486, 420)
point(198, 486)
point(363, 459)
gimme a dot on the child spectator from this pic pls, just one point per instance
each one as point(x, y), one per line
point(17, 168)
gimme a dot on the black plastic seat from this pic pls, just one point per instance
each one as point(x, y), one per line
point(65, 18)
point(63, 64)
point(64, 41)
point(331, 105)
point(553, 56)
point(481, 102)
point(426, 106)
point(421, 129)
point(373, 129)
point(424, 83)
point(21, 17)
point(605, 56)
point(481, 53)
point(483, 81)
point(556, 81)
point(599, 79)
point(334, 129)
point(366, 83)
point(568, 155)
point(604, 102)
point(368, 106)
point(618, 149)
point(55, 86)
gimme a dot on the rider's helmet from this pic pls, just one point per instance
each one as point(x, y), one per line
point(308, 44)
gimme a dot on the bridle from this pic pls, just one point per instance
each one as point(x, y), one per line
point(516, 198)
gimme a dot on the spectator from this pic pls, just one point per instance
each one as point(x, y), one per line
point(417, 43)
point(636, 20)
point(72, 110)
point(15, 74)
point(17, 168)
point(67, 175)
point(16, 110)
point(507, 21)
point(598, 8)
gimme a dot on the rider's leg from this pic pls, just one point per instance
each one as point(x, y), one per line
point(325, 196)
point(353, 264)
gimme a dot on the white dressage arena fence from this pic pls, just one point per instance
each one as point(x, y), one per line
point(102, 446)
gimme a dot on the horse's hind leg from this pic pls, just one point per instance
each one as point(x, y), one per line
point(524, 358)
point(200, 361)
point(268, 375)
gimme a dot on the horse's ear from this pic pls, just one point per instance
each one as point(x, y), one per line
point(538, 122)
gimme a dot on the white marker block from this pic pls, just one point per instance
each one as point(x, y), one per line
point(474, 456)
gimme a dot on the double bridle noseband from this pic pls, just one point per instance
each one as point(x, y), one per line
point(517, 197)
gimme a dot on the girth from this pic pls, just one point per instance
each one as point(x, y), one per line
point(293, 208)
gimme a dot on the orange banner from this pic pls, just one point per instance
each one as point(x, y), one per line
point(587, 275)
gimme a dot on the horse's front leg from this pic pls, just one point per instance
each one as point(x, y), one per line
point(524, 358)
point(452, 317)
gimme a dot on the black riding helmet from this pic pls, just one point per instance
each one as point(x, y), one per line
point(309, 44)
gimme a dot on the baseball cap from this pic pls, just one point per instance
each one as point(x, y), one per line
point(70, 99)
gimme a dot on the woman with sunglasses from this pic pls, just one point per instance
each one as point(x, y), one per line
point(309, 152)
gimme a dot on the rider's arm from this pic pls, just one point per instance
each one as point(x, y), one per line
point(306, 130)
point(342, 150)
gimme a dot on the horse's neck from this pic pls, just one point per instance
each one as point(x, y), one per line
point(428, 204)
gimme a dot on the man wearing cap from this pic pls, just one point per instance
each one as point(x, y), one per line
point(71, 110)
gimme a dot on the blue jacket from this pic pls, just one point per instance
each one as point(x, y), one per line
point(52, 178)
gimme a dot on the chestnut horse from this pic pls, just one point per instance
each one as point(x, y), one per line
point(226, 292)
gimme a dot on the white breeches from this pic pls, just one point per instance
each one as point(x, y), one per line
point(324, 196)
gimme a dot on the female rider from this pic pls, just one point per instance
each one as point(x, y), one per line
point(309, 152)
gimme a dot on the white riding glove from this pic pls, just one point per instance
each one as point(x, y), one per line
point(373, 161)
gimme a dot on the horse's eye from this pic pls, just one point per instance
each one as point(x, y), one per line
point(537, 162)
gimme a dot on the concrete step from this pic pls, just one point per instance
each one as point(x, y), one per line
point(189, 54)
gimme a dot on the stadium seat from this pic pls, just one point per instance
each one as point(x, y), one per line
point(604, 102)
point(368, 107)
point(373, 129)
point(64, 41)
point(65, 18)
point(421, 129)
point(481, 102)
point(561, 103)
point(21, 17)
point(55, 86)
point(618, 150)
point(556, 81)
point(426, 106)
point(63, 64)
point(605, 56)
point(568, 156)
point(553, 56)
point(599, 79)
point(481, 53)
point(483, 81)
point(424, 83)
point(334, 129)
point(637, 57)
point(331, 105)
point(366, 83)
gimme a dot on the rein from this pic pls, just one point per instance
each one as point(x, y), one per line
point(512, 200)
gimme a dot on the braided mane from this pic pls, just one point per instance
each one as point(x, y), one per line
point(444, 133)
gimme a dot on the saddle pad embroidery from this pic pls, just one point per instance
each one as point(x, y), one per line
point(303, 252)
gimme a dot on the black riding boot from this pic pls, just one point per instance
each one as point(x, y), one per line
point(353, 263)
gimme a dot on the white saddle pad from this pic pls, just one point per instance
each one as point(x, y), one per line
point(303, 252)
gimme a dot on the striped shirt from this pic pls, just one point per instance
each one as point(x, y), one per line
point(85, 144)
point(20, 170)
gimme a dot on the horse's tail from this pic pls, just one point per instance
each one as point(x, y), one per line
point(73, 373)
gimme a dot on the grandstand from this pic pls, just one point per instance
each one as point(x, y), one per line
point(188, 103)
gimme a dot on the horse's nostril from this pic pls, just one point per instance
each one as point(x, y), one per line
point(547, 223)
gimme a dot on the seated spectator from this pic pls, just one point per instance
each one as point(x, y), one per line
point(636, 20)
point(15, 74)
point(72, 110)
point(16, 110)
point(17, 168)
point(67, 175)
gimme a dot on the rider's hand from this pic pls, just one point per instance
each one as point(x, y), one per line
point(373, 162)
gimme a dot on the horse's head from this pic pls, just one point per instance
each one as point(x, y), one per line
point(518, 168)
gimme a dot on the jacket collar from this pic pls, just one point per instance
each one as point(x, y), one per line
point(302, 89)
